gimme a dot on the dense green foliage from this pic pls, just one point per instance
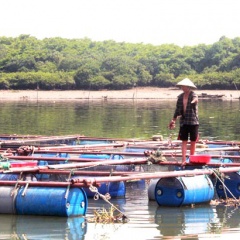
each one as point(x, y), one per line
point(57, 63)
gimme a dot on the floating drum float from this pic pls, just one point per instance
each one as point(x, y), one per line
point(138, 150)
point(7, 200)
point(9, 176)
point(51, 201)
point(16, 176)
point(151, 189)
point(230, 186)
point(101, 156)
point(178, 191)
point(221, 160)
point(115, 189)
point(93, 142)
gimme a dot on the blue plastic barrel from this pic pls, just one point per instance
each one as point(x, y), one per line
point(15, 176)
point(9, 176)
point(60, 155)
point(115, 189)
point(222, 160)
point(138, 150)
point(44, 176)
point(178, 191)
point(7, 200)
point(101, 156)
point(52, 201)
point(95, 156)
point(230, 186)
point(94, 142)
point(151, 189)
point(53, 155)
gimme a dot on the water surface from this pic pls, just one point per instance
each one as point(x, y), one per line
point(123, 119)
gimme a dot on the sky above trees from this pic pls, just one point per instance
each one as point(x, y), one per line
point(181, 22)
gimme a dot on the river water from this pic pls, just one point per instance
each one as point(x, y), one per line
point(219, 120)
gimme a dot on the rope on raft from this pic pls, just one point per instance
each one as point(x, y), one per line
point(102, 215)
point(156, 157)
point(220, 177)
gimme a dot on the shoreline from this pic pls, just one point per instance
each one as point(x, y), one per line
point(143, 93)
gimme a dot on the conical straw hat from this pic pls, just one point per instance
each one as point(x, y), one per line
point(186, 82)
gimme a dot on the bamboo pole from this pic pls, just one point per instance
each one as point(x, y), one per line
point(96, 181)
point(78, 165)
point(110, 153)
point(39, 139)
point(86, 146)
point(155, 175)
point(137, 161)
point(86, 173)
point(41, 184)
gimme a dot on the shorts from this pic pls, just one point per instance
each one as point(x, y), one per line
point(187, 130)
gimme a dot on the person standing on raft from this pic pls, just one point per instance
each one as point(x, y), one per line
point(187, 111)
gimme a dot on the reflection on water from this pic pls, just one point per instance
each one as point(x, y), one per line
point(139, 119)
point(186, 221)
point(147, 220)
point(119, 119)
point(38, 227)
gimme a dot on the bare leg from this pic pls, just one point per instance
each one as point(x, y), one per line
point(184, 151)
point(192, 148)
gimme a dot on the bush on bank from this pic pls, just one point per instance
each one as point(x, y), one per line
point(68, 64)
